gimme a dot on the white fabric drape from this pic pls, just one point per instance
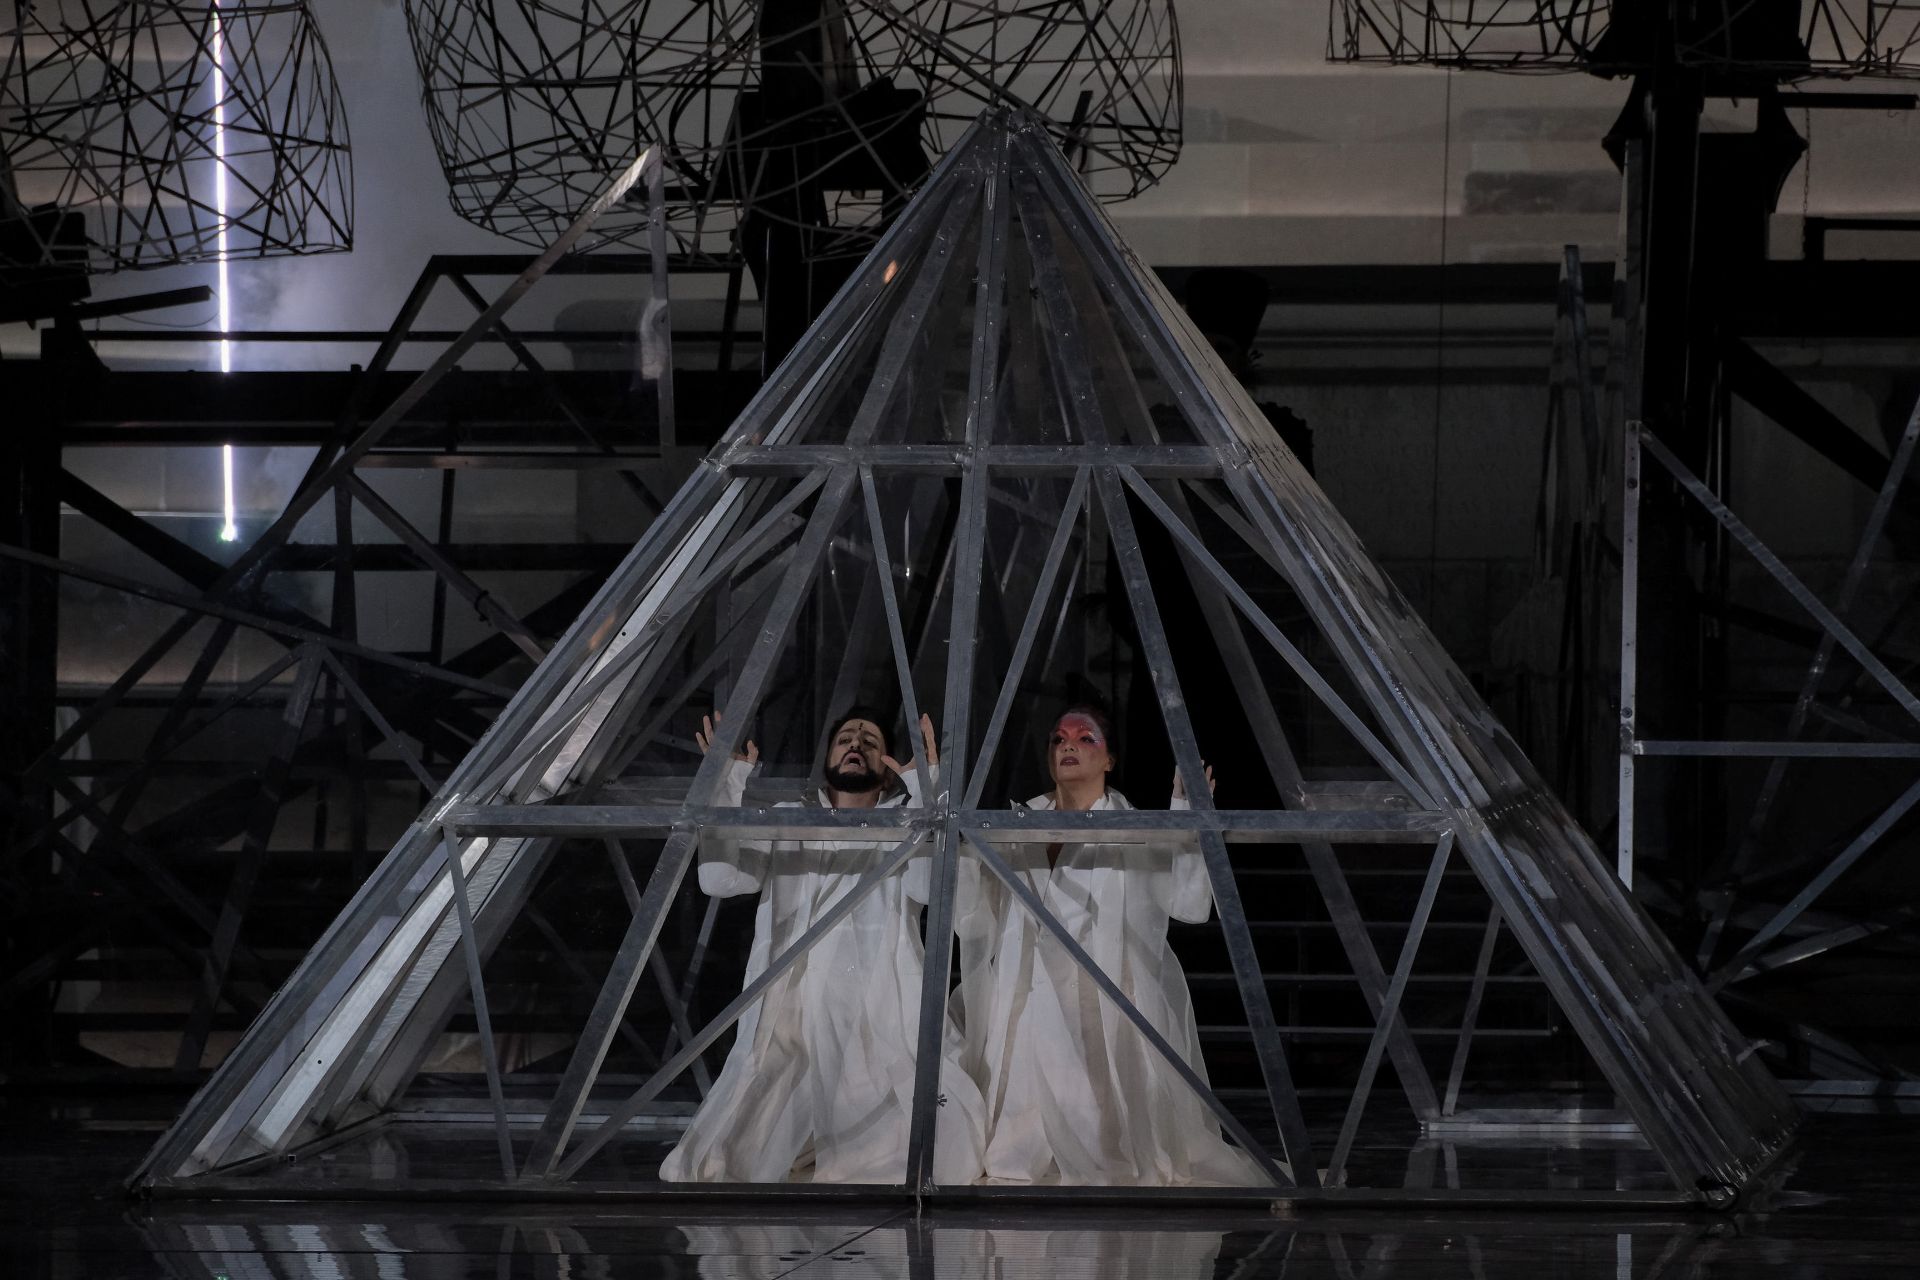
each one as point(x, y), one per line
point(1074, 1093)
point(819, 1083)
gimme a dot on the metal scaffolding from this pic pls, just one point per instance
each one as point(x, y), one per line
point(376, 715)
point(1748, 931)
point(1002, 407)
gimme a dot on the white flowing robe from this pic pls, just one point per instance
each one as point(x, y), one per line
point(1075, 1094)
point(819, 1083)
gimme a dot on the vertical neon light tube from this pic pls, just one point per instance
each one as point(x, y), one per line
point(228, 531)
point(220, 207)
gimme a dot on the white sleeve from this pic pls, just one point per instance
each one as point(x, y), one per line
point(917, 876)
point(911, 781)
point(730, 866)
point(1189, 893)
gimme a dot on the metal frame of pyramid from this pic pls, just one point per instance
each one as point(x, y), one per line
point(849, 423)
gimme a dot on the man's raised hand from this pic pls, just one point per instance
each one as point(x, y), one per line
point(929, 743)
point(703, 738)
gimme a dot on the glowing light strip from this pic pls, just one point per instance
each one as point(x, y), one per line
point(220, 208)
point(228, 531)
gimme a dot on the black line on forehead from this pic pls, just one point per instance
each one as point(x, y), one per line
point(871, 716)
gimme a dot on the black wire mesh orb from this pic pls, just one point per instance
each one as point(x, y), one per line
point(815, 113)
point(149, 132)
point(1797, 40)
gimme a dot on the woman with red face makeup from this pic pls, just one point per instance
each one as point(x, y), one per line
point(1074, 1093)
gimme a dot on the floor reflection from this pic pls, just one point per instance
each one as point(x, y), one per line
point(726, 1252)
point(1840, 1206)
point(964, 1245)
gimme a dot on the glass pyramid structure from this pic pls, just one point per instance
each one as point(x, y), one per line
point(1001, 471)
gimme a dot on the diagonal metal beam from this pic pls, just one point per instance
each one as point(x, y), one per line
point(556, 720)
point(342, 465)
point(657, 963)
point(533, 365)
point(329, 467)
point(1470, 1017)
point(477, 987)
point(246, 869)
point(1821, 943)
point(207, 606)
point(402, 748)
point(1763, 385)
point(1867, 545)
point(587, 982)
point(1390, 1012)
point(1842, 862)
point(876, 875)
point(1247, 974)
point(166, 737)
point(664, 883)
point(176, 557)
point(1323, 864)
point(729, 638)
point(912, 317)
point(483, 601)
point(1029, 632)
point(1196, 554)
point(326, 991)
point(131, 849)
point(896, 633)
point(1778, 571)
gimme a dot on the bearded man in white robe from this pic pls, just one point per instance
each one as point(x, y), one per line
point(1075, 1095)
point(819, 1084)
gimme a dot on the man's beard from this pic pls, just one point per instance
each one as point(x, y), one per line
point(854, 779)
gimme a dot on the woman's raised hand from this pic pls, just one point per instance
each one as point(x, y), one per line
point(703, 737)
point(1180, 784)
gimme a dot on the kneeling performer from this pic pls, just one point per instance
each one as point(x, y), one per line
point(819, 1084)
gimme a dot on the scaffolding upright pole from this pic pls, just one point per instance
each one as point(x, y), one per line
point(1629, 640)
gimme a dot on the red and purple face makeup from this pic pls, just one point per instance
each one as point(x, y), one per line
point(1075, 727)
point(1078, 748)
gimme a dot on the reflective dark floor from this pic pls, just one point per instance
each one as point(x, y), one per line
point(1842, 1204)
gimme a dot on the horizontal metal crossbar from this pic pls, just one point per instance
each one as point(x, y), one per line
point(1810, 750)
point(481, 1190)
point(994, 826)
point(1156, 460)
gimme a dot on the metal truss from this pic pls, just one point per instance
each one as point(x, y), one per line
point(760, 113)
point(1834, 37)
point(1750, 932)
point(1770, 890)
point(1000, 375)
point(338, 697)
point(137, 133)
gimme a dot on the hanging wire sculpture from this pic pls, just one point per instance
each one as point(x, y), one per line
point(822, 114)
point(151, 132)
point(1811, 38)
